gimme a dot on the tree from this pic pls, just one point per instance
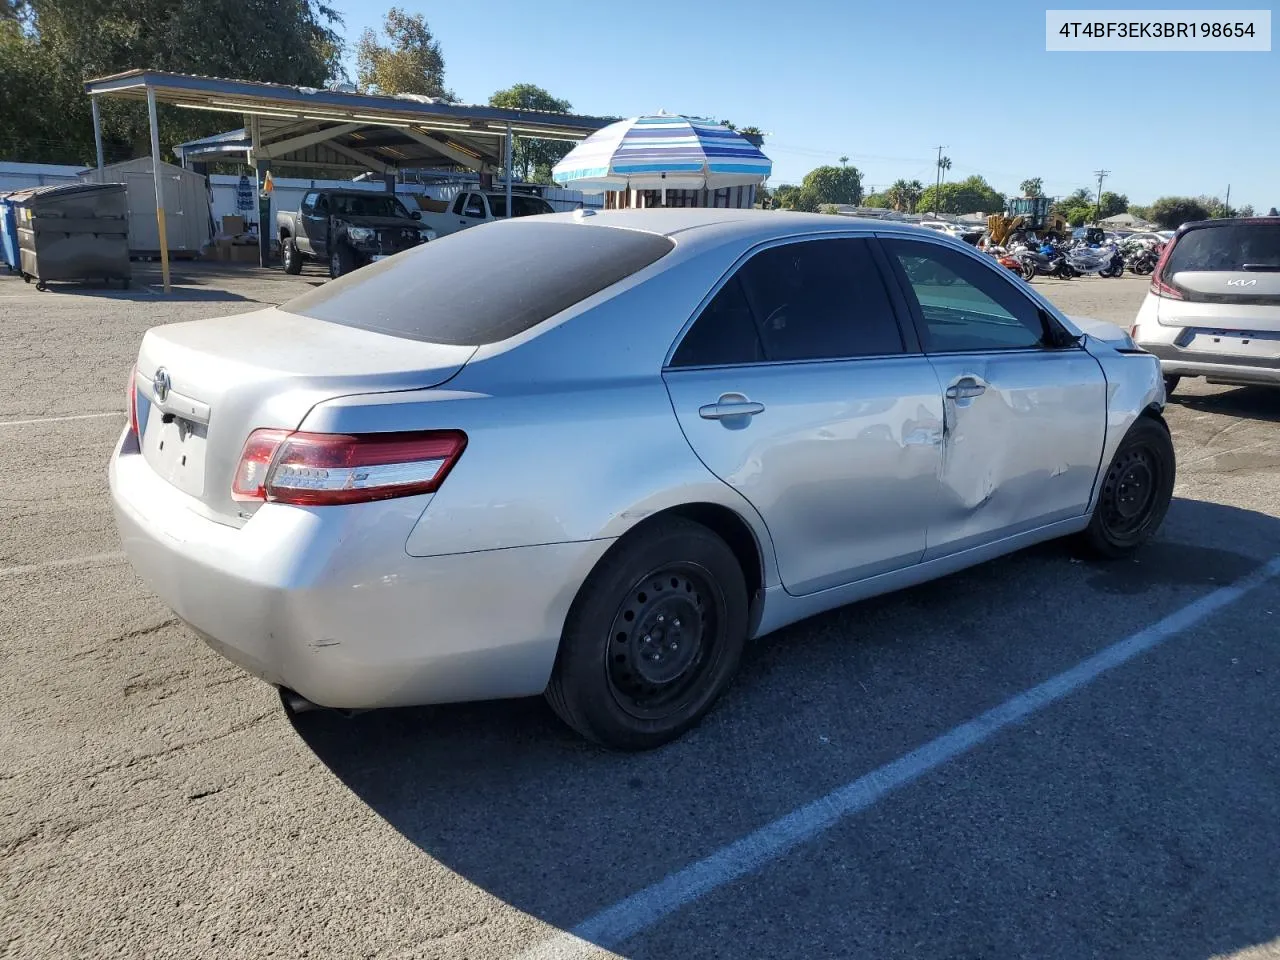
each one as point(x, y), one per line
point(1078, 207)
point(844, 161)
point(904, 195)
point(1141, 212)
point(410, 62)
point(790, 197)
point(834, 184)
point(1172, 212)
point(1245, 211)
point(49, 47)
point(1033, 187)
point(534, 157)
point(829, 208)
point(971, 195)
point(880, 200)
point(753, 134)
point(1111, 204)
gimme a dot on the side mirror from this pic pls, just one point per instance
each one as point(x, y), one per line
point(415, 214)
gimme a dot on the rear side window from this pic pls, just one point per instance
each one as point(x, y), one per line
point(1238, 247)
point(811, 300)
point(485, 284)
point(725, 333)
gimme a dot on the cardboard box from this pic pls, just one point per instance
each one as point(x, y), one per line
point(232, 226)
point(432, 205)
point(243, 252)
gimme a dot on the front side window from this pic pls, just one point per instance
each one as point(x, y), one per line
point(965, 305)
point(475, 206)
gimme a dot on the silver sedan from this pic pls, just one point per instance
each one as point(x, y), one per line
point(591, 455)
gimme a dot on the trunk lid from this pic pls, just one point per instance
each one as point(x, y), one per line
point(202, 387)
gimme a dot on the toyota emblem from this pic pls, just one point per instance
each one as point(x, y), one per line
point(160, 383)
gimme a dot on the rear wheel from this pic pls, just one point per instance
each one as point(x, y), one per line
point(291, 257)
point(653, 638)
point(1171, 382)
point(1028, 270)
point(1135, 493)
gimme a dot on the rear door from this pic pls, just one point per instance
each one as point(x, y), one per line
point(798, 386)
point(1221, 284)
point(1024, 421)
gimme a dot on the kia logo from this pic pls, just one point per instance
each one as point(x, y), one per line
point(1243, 283)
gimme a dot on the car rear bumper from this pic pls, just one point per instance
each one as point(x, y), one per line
point(325, 601)
point(1219, 368)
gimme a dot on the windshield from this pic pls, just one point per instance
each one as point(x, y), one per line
point(520, 206)
point(365, 205)
point(1238, 247)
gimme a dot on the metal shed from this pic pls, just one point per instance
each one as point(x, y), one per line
point(186, 205)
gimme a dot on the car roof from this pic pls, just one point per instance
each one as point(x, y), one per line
point(693, 227)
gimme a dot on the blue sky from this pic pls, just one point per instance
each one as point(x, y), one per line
point(885, 84)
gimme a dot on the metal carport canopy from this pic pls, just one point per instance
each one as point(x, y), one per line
point(335, 130)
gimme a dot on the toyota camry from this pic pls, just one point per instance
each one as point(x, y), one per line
point(591, 455)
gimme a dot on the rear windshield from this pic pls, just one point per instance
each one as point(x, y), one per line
point(520, 206)
point(483, 284)
point(1241, 246)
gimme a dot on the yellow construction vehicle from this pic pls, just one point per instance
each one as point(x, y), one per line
point(1026, 213)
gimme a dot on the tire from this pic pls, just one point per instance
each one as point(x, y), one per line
point(41, 286)
point(1028, 270)
point(341, 261)
point(1171, 382)
point(1134, 492)
point(291, 257)
point(653, 638)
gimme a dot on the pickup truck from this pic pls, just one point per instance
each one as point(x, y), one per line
point(473, 207)
point(347, 229)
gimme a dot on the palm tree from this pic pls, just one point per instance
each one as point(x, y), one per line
point(915, 190)
point(1033, 187)
point(898, 195)
point(944, 164)
point(844, 161)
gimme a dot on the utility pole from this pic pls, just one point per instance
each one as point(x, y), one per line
point(1228, 203)
point(1097, 210)
point(937, 189)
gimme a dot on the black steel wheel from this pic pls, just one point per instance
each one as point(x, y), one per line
point(653, 638)
point(341, 261)
point(1134, 492)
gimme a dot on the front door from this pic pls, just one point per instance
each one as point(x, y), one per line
point(1025, 420)
point(313, 223)
point(798, 386)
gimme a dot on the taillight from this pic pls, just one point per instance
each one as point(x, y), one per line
point(131, 401)
point(317, 469)
point(1158, 284)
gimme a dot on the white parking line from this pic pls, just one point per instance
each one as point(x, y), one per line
point(614, 925)
point(93, 559)
point(76, 416)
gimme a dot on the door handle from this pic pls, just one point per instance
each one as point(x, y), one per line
point(730, 405)
point(966, 388)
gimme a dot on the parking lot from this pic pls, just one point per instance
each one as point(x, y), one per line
point(156, 802)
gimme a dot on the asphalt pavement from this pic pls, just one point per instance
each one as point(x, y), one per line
point(156, 802)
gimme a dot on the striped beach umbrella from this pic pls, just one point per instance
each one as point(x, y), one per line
point(662, 152)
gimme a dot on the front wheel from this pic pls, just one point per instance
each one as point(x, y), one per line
point(341, 261)
point(653, 638)
point(1028, 270)
point(1135, 492)
point(1171, 382)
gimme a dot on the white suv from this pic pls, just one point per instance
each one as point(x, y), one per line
point(1214, 306)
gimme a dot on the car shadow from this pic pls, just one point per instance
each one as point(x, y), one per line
point(1249, 403)
point(509, 799)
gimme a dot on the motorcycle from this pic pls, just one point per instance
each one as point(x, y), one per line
point(1047, 261)
point(1095, 261)
point(1141, 261)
